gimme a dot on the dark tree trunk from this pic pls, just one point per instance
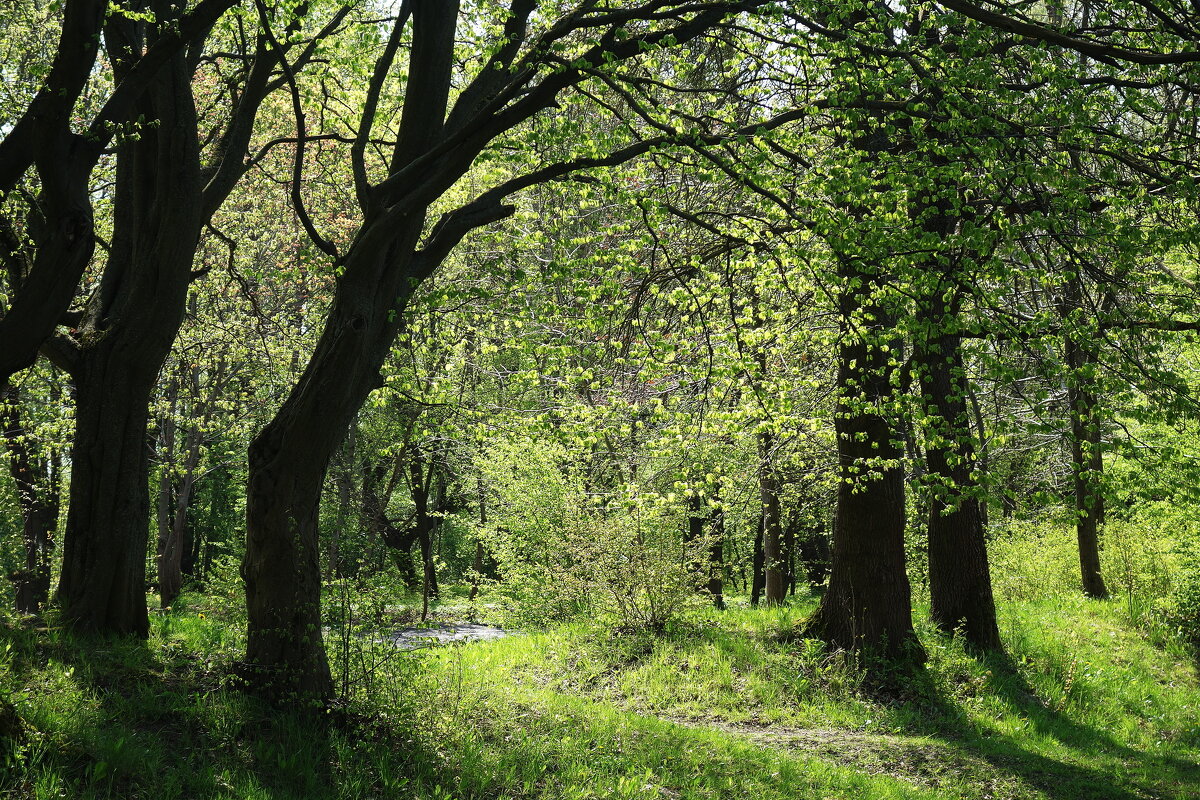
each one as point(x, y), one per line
point(697, 521)
point(344, 481)
point(757, 579)
point(36, 478)
point(1087, 456)
point(1087, 467)
point(170, 564)
point(960, 585)
point(789, 553)
point(126, 335)
point(773, 567)
point(868, 604)
point(102, 587)
point(716, 558)
point(282, 568)
point(814, 555)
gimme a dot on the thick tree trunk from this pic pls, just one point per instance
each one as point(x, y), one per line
point(125, 337)
point(960, 585)
point(868, 604)
point(282, 565)
point(103, 583)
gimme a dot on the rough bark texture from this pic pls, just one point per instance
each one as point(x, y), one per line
point(126, 335)
point(960, 585)
point(868, 604)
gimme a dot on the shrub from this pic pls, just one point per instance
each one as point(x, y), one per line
point(559, 555)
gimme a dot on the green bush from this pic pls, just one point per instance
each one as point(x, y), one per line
point(560, 556)
point(1033, 559)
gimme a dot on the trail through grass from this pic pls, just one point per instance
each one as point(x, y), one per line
point(720, 706)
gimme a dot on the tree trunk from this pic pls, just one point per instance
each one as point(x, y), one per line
point(103, 583)
point(1087, 457)
point(774, 586)
point(868, 604)
point(170, 565)
point(757, 559)
point(126, 335)
point(477, 562)
point(1087, 466)
point(166, 493)
point(716, 558)
point(282, 568)
point(960, 585)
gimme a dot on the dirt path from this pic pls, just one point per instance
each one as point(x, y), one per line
point(923, 762)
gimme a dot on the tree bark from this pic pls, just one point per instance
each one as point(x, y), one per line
point(774, 585)
point(716, 558)
point(1087, 467)
point(757, 559)
point(125, 337)
point(960, 584)
point(868, 605)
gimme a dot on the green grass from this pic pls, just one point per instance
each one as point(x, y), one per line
point(722, 705)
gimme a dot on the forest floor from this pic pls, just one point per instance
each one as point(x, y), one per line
point(1084, 705)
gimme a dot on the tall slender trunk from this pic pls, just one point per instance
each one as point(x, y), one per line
point(774, 586)
point(170, 563)
point(166, 491)
point(757, 560)
point(1087, 467)
point(868, 605)
point(716, 558)
point(960, 585)
point(477, 562)
point(1087, 456)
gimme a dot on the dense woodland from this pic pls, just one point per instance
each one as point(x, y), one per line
point(858, 338)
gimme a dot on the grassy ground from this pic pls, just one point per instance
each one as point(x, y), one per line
point(721, 706)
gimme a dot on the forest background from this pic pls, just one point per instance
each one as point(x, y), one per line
point(800, 321)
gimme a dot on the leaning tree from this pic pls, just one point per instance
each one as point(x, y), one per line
point(532, 60)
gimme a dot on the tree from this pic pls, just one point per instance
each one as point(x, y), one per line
point(394, 250)
point(167, 188)
point(61, 240)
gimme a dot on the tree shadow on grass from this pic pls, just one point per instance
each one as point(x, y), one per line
point(922, 711)
point(117, 720)
point(1056, 778)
